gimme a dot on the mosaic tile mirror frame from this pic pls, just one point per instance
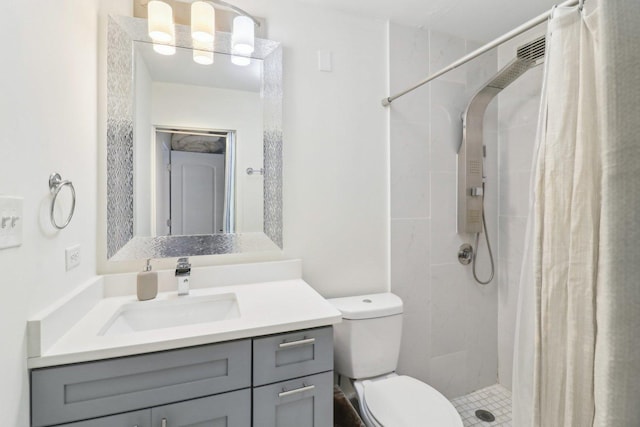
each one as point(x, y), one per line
point(122, 243)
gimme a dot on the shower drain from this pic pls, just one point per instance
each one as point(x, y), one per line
point(485, 415)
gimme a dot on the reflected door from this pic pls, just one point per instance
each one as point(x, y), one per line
point(197, 193)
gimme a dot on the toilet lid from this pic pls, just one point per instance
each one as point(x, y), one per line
point(403, 401)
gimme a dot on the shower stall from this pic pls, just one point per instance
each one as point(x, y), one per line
point(451, 200)
point(458, 334)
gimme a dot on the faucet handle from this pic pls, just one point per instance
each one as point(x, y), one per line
point(183, 266)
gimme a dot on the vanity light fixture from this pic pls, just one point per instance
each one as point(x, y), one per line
point(161, 28)
point(160, 23)
point(203, 22)
point(242, 38)
point(203, 52)
point(203, 16)
point(166, 48)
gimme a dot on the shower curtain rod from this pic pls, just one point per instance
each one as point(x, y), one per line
point(487, 47)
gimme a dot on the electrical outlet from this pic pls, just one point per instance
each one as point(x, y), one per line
point(73, 256)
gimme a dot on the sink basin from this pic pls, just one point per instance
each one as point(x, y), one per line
point(181, 311)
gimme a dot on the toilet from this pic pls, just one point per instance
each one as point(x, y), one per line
point(366, 347)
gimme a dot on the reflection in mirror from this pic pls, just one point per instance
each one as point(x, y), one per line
point(183, 100)
point(194, 182)
point(181, 136)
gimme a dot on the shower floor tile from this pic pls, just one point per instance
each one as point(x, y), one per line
point(495, 399)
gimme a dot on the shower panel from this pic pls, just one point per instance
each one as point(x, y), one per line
point(472, 152)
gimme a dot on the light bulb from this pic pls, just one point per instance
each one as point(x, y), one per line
point(203, 21)
point(160, 22)
point(241, 61)
point(164, 49)
point(203, 52)
point(242, 38)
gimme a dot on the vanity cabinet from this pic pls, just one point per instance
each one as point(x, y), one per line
point(293, 379)
point(212, 385)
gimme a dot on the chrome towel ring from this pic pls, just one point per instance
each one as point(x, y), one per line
point(55, 185)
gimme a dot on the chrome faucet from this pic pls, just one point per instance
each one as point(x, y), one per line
point(183, 272)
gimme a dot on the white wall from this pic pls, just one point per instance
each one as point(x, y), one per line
point(449, 336)
point(48, 119)
point(517, 122)
point(335, 145)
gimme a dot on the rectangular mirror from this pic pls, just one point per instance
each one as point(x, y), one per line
point(194, 147)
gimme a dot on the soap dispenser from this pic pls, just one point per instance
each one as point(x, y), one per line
point(147, 283)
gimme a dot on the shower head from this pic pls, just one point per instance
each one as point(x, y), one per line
point(527, 56)
point(471, 150)
point(533, 51)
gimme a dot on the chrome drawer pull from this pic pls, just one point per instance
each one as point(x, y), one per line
point(297, 390)
point(297, 343)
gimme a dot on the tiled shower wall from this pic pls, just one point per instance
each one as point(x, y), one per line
point(518, 108)
point(449, 331)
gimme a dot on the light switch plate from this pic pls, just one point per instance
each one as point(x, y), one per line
point(324, 60)
point(10, 221)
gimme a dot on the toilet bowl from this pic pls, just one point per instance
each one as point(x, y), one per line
point(366, 348)
point(402, 401)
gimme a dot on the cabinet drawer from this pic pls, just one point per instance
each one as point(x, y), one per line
point(292, 355)
point(130, 419)
point(94, 389)
point(303, 402)
point(223, 410)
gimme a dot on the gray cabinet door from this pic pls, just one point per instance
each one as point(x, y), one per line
point(295, 354)
point(130, 419)
point(303, 402)
point(223, 410)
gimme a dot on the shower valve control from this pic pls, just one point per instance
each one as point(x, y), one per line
point(476, 191)
point(465, 254)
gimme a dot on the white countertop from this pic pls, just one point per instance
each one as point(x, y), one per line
point(265, 308)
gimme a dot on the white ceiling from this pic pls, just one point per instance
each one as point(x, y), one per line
point(479, 20)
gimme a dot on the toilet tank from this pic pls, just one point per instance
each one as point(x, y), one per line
point(367, 341)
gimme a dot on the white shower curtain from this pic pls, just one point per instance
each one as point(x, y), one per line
point(577, 355)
